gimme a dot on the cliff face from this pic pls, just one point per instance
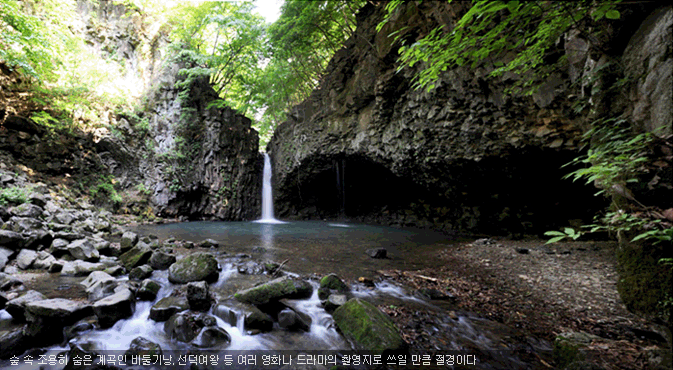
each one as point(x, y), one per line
point(464, 156)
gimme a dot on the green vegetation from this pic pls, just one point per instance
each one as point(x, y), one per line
point(105, 191)
point(491, 29)
point(14, 195)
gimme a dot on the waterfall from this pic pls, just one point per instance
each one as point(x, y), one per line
point(267, 195)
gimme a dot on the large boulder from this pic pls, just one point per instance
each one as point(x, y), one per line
point(194, 267)
point(99, 285)
point(11, 239)
point(141, 272)
point(26, 210)
point(254, 320)
point(290, 319)
point(136, 256)
point(81, 268)
point(84, 250)
point(47, 318)
point(13, 342)
point(43, 261)
point(198, 329)
point(5, 255)
point(17, 306)
point(148, 290)
point(161, 260)
point(198, 295)
point(274, 290)
point(129, 240)
point(111, 309)
point(143, 347)
point(368, 328)
point(26, 258)
point(167, 307)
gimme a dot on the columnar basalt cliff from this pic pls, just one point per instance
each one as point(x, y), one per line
point(465, 156)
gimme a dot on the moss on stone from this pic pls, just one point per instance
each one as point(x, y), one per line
point(274, 290)
point(645, 284)
point(368, 328)
point(195, 267)
point(332, 281)
point(135, 257)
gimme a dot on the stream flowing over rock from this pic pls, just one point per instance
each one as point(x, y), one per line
point(463, 156)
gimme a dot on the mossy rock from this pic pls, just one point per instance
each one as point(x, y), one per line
point(645, 284)
point(136, 256)
point(194, 267)
point(274, 290)
point(568, 348)
point(368, 328)
point(332, 281)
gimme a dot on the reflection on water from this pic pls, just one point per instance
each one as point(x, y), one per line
point(315, 247)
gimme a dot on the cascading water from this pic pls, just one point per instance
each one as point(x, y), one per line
point(267, 195)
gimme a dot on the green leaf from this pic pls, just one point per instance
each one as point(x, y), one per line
point(554, 240)
point(555, 233)
point(612, 14)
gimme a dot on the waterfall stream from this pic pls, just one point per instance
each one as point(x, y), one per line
point(267, 194)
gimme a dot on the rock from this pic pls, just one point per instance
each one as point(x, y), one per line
point(59, 248)
point(5, 255)
point(522, 250)
point(37, 199)
point(48, 317)
point(11, 239)
point(70, 237)
point(111, 309)
point(434, 294)
point(56, 266)
point(570, 347)
point(148, 290)
point(211, 336)
point(335, 301)
point(198, 296)
point(185, 326)
point(249, 268)
point(99, 285)
point(82, 326)
point(136, 256)
point(377, 252)
point(254, 320)
point(143, 347)
point(43, 261)
point(167, 307)
point(65, 218)
point(26, 210)
point(25, 224)
point(83, 250)
point(37, 239)
point(13, 342)
point(333, 282)
point(161, 260)
point(274, 290)
point(141, 272)
point(368, 328)
point(17, 306)
point(26, 258)
point(194, 267)
point(208, 243)
point(81, 268)
point(103, 246)
point(291, 320)
point(129, 240)
point(115, 271)
point(8, 282)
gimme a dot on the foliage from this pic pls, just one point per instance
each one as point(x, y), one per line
point(567, 232)
point(13, 195)
point(106, 189)
point(301, 42)
point(491, 29)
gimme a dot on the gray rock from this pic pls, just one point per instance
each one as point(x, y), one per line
point(141, 272)
point(208, 243)
point(141, 346)
point(136, 256)
point(111, 309)
point(68, 236)
point(274, 290)
point(5, 255)
point(290, 319)
point(115, 271)
point(335, 301)
point(186, 326)
point(161, 260)
point(99, 285)
point(43, 261)
point(84, 250)
point(37, 239)
point(26, 258)
point(59, 248)
point(13, 342)
point(198, 296)
point(333, 282)
point(377, 252)
point(26, 210)
point(128, 240)
point(25, 224)
point(37, 199)
point(57, 266)
point(11, 239)
point(211, 336)
point(81, 268)
point(50, 316)
point(194, 267)
point(148, 290)
point(17, 306)
point(167, 307)
point(64, 217)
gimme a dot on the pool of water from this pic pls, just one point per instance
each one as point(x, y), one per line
point(313, 247)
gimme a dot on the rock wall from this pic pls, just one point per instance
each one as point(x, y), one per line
point(464, 156)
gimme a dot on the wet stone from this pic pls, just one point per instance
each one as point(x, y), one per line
point(167, 307)
point(141, 272)
point(377, 253)
point(141, 346)
point(17, 306)
point(148, 290)
point(113, 308)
